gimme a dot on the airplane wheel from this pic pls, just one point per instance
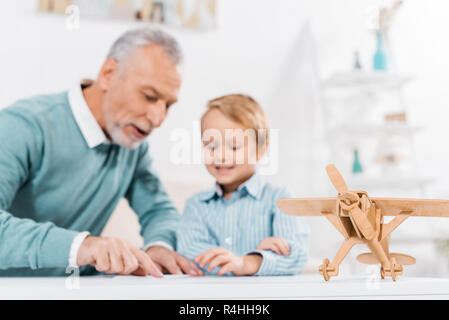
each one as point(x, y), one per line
point(393, 269)
point(324, 269)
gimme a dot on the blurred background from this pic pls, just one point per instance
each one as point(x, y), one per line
point(361, 84)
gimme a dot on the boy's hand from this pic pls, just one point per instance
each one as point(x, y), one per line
point(277, 245)
point(229, 262)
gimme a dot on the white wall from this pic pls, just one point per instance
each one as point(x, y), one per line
point(256, 42)
point(254, 51)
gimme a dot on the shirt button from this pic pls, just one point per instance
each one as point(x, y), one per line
point(228, 241)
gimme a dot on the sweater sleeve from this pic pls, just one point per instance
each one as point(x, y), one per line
point(25, 243)
point(295, 231)
point(157, 214)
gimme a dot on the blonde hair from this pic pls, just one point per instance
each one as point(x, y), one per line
point(245, 111)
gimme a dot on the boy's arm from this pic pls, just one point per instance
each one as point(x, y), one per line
point(193, 235)
point(295, 231)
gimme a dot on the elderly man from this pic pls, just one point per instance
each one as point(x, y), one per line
point(66, 160)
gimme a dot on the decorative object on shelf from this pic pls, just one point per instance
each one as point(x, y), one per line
point(356, 165)
point(382, 57)
point(196, 13)
point(395, 146)
point(153, 11)
point(200, 14)
point(398, 117)
point(157, 14)
point(56, 6)
point(119, 9)
point(357, 64)
point(360, 220)
point(146, 10)
point(442, 245)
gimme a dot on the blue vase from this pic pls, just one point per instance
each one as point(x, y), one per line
point(380, 57)
point(356, 166)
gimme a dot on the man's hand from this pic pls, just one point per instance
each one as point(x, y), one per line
point(169, 261)
point(229, 262)
point(114, 255)
point(277, 245)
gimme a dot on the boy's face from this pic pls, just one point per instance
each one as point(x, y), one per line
point(230, 151)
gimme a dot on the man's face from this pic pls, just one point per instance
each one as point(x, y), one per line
point(138, 94)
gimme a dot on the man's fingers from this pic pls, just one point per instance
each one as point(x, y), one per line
point(154, 271)
point(116, 260)
point(188, 267)
point(140, 272)
point(102, 261)
point(171, 265)
point(130, 262)
point(147, 265)
point(114, 255)
point(161, 268)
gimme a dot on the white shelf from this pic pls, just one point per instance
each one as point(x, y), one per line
point(362, 182)
point(363, 99)
point(373, 130)
point(373, 80)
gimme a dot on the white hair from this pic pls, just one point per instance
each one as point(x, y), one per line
point(137, 38)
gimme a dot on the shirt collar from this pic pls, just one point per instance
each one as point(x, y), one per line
point(253, 187)
point(90, 129)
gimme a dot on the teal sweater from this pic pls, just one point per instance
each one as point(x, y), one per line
point(52, 186)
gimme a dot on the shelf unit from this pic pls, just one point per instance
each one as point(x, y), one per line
point(356, 104)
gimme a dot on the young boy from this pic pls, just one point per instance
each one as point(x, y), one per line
point(237, 228)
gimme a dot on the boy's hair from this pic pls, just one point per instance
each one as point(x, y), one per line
point(243, 110)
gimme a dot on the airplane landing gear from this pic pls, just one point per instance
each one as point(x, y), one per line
point(394, 271)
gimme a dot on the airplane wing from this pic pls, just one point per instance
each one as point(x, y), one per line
point(307, 207)
point(389, 206)
point(417, 207)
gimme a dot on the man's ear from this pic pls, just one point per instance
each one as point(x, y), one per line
point(108, 72)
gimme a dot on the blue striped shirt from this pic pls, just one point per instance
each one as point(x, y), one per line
point(239, 224)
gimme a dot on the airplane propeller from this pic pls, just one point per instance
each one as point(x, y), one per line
point(349, 201)
point(336, 179)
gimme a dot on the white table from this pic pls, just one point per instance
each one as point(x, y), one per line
point(184, 287)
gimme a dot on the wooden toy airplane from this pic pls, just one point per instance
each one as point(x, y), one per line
point(359, 219)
